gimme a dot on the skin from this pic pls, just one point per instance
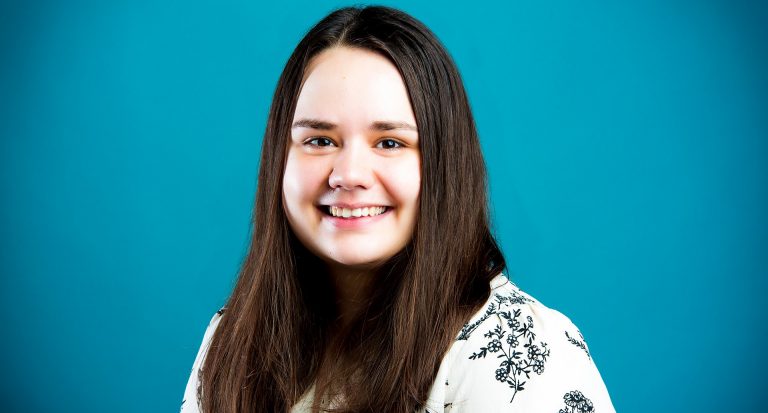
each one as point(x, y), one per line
point(353, 143)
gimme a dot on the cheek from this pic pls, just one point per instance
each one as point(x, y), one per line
point(405, 182)
point(303, 180)
point(291, 186)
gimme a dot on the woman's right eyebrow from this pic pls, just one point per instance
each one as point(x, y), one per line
point(314, 124)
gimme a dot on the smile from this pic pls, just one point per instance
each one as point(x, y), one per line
point(340, 212)
point(354, 218)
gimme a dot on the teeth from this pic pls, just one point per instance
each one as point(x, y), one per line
point(357, 212)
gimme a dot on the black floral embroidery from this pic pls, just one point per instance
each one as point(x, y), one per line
point(579, 343)
point(517, 362)
point(500, 300)
point(575, 402)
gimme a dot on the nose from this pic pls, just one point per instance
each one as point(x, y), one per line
point(351, 169)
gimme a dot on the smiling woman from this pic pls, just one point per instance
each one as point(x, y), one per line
point(354, 151)
point(373, 282)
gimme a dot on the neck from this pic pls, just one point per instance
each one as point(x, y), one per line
point(352, 291)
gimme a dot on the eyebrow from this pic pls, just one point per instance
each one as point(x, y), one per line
point(377, 125)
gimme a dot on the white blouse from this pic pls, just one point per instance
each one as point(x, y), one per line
point(514, 355)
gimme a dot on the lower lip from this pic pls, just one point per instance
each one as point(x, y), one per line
point(354, 222)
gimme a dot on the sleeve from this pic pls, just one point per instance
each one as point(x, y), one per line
point(189, 403)
point(526, 358)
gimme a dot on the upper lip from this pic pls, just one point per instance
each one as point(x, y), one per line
point(355, 205)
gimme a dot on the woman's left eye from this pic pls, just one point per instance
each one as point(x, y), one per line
point(389, 144)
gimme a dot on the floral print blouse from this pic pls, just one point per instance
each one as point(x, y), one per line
point(514, 355)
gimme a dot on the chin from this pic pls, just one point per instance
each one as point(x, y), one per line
point(361, 261)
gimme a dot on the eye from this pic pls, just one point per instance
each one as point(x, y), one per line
point(389, 144)
point(319, 142)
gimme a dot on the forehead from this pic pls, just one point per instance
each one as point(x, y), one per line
point(349, 85)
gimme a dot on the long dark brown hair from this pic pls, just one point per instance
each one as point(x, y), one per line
point(274, 334)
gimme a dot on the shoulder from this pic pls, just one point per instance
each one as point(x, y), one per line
point(511, 312)
point(189, 402)
point(516, 353)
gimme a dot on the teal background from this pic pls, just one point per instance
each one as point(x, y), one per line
point(626, 144)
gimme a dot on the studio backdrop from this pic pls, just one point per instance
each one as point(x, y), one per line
point(626, 144)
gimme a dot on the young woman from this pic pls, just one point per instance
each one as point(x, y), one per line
point(373, 282)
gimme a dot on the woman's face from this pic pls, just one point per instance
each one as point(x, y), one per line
point(351, 182)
